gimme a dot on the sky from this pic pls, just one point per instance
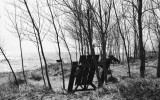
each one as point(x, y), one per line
point(10, 42)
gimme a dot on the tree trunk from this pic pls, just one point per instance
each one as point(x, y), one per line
point(59, 49)
point(142, 51)
point(64, 39)
point(135, 34)
point(90, 42)
point(57, 40)
point(123, 38)
point(10, 66)
point(20, 45)
point(45, 63)
point(39, 54)
point(158, 66)
point(41, 66)
point(76, 50)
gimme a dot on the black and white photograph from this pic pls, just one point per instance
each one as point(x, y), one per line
point(79, 49)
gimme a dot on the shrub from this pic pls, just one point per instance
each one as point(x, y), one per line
point(112, 79)
point(20, 81)
point(51, 65)
point(12, 80)
point(36, 76)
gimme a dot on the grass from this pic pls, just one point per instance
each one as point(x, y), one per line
point(24, 92)
point(122, 89)
point(12, 81)
point(141, 89)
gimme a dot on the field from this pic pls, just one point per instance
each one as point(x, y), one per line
point(126, 88)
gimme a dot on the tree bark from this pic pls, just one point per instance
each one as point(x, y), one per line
point(142, 51)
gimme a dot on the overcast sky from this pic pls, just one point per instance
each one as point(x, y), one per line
point(10, 42)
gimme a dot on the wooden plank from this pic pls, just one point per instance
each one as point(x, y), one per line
point(81, 69)
point(82, 59)
point(72, 76)
point(85, 73)
point(91, 74)
point(79, 75)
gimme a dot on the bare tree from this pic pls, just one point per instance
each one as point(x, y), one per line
point(103, 31)
point(123, 38)
point(156, 28)
point(84, 18)
point(40, 41)
point(40, 58)
point(135, 32)
point(142, 50)
point(3, 53)
point(17, 25)
point(57, 37)
point(63, 37)
point(139, 11)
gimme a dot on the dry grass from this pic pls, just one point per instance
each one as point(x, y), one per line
point(123, 88)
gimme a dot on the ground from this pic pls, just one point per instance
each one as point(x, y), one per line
point(125, 88)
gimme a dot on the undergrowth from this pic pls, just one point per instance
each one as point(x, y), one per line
point(10, 91)
point(36, 76)
point(128, 89)
point(141, 89)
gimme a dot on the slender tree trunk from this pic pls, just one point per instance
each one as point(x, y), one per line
point(10, 66)
point(80, 28)
point(158, 66)
point(64, 39)
point(95, 63)
point(76, 50)
point(149, 33)
point(57, 40)
point(119, 50)
point(142, 51)
point(39, 54)
point(41, 65)
point(20, 44)
point(79, 43)
point(90, 42)
point(87, 47)
point(123, 38)
point(45, 62)
point(103, 34)
point(81, 39)
point(61, 65)
point(135, 34)
point(135, 47)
